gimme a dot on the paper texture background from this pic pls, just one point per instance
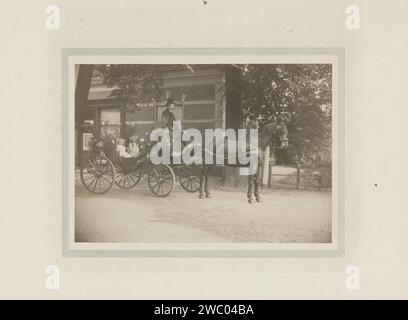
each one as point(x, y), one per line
point(376, 220)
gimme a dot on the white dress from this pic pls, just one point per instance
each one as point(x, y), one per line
point(133, 149)
point(122, 152)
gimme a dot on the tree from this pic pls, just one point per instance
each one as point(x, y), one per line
point(133, 82)
point(301, 94)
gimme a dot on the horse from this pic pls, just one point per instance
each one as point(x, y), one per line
point(274, 133)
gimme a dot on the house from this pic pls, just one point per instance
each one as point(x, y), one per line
point(207, 96)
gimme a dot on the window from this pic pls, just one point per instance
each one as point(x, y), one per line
point(144, 114)
point(199, 111)
point(178, 112)
point(110, 119)
point(192, 93)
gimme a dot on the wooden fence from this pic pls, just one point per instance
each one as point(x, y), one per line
point(302, 178)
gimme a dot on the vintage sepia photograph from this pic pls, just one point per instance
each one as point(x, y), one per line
point(211, 154)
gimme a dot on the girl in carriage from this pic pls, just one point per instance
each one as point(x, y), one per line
point(121, 149)
point(133, 147)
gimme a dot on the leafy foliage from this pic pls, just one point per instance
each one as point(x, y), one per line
point(301, 95)
point(134, 82)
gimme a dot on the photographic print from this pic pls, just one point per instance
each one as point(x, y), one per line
point(204, 150)
point(238, 153)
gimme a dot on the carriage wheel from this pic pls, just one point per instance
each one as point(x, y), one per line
point(97, 174)
point(126, 180)
point(161, 180)
point(189, 178)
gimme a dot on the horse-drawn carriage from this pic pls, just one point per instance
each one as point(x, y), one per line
point(104, 167)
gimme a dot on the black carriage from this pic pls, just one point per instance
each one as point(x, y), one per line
point(188, 176)
point(103, 168)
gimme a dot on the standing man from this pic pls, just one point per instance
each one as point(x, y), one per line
point(109, 144)
point(281, 153)
point(167, 119)
point(168, 116)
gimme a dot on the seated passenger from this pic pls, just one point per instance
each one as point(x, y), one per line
point(109, 143)
point(133, 147)
point(122, 149)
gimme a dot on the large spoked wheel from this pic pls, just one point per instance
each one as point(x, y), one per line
point(97, 174)
point(189, 178)
point(125, 179)
point(161, 180)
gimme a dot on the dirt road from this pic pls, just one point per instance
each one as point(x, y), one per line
point(136, 215)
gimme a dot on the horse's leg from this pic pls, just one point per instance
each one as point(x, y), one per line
point(206, 178)
point(256, 186)
point(250, 187)
point(202, 177)
point(257, 176)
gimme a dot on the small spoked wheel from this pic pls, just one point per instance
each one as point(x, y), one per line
point(97, 174)
point(189, 178)
point(125, 179)
point(161, 180)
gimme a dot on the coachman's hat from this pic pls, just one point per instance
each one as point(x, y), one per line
point(169, 101)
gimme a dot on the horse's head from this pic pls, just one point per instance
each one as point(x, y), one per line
point(282, 135)
point(275, 132)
